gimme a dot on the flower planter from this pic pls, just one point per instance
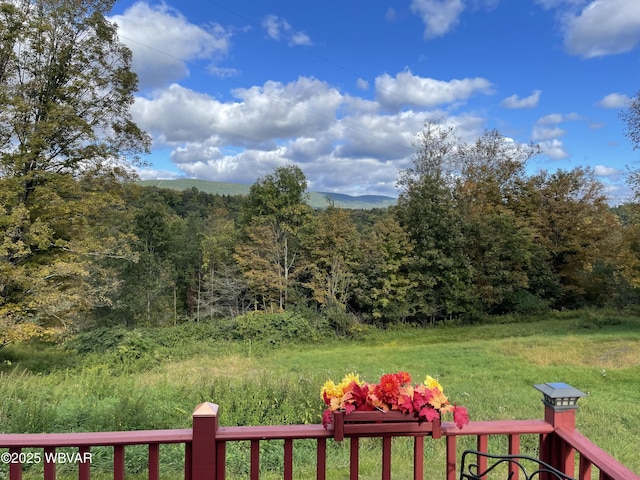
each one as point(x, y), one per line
point(377, 423)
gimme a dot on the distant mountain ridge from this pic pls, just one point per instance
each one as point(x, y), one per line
point(316, 199)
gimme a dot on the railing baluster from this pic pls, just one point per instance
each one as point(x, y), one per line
point(483, 446)
point(514, 449)
point(354, 458)
point(15, 468)
point(585, 468)
point(452, 470)
point(514, 444)
point(321, 460)
point(288, 459)
point(418, 458)
point(49, 464)
point(255, 459)
point(188, 466)
point(84, 469)
point(154, 461)
point(118, 462)
point(221, 465)
point(386, 457)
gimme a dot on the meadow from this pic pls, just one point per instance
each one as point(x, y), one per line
point(116, 379)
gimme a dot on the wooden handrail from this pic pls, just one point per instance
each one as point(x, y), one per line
point(94, 439)
point(595, 455)
point(497, 427)
point(276, 432)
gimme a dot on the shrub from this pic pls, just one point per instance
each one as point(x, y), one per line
point(274, 327)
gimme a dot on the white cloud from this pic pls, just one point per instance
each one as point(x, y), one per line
point(554, 118)
point(441, 16)
point(343, 143)
point(163, 41)
point(279, 29)
point(516, 102)
point(604, 171)
point(245, 167)
point(554, 149)
point(546, 133)
point(152, 174)
point(260, 115)
point(407, 89)
point(438, 16)
point(602, 27)
point(362, 84)
point(614, 100)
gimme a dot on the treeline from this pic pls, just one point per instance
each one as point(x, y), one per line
point(472, 235)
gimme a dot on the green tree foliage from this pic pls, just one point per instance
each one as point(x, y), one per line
point(277, 198)
point(488, 190)
point(384, 287)
point(66, 88)
point(273, 215)
point(583, 238)
point(222, 288)
point(427, 212)
point(332, 254)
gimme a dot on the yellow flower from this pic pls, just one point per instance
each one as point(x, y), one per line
point(348, 379)
point(331, 390)
point(431, 382)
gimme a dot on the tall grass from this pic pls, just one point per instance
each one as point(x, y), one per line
point(150, 379)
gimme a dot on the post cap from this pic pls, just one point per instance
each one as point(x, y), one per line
point(206, 409)
point(559, 395)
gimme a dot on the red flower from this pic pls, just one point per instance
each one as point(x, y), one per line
point(388, 389)
point(403, 378)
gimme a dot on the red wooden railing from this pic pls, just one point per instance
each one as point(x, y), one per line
point(206, 443)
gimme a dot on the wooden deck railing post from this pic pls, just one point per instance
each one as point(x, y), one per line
point(203, 448)
point(560, 406)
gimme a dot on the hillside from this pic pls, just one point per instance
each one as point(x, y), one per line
point(316, 199)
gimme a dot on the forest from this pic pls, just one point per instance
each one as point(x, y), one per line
point(473, 233)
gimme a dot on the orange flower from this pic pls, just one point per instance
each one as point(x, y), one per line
point(403, 378)
point(388, 389)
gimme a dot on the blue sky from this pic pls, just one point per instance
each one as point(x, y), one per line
point(229, 90)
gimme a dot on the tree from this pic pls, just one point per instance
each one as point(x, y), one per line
point(488, 191)
point(221, 284)
point(583, 238)
point(332, 253)
point(277, 198)
point(426, 210)
point(384, 285)
point(631, 116)
point(273, 214)
point(66, 141)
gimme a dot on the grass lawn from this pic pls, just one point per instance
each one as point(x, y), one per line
point(490, 369)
